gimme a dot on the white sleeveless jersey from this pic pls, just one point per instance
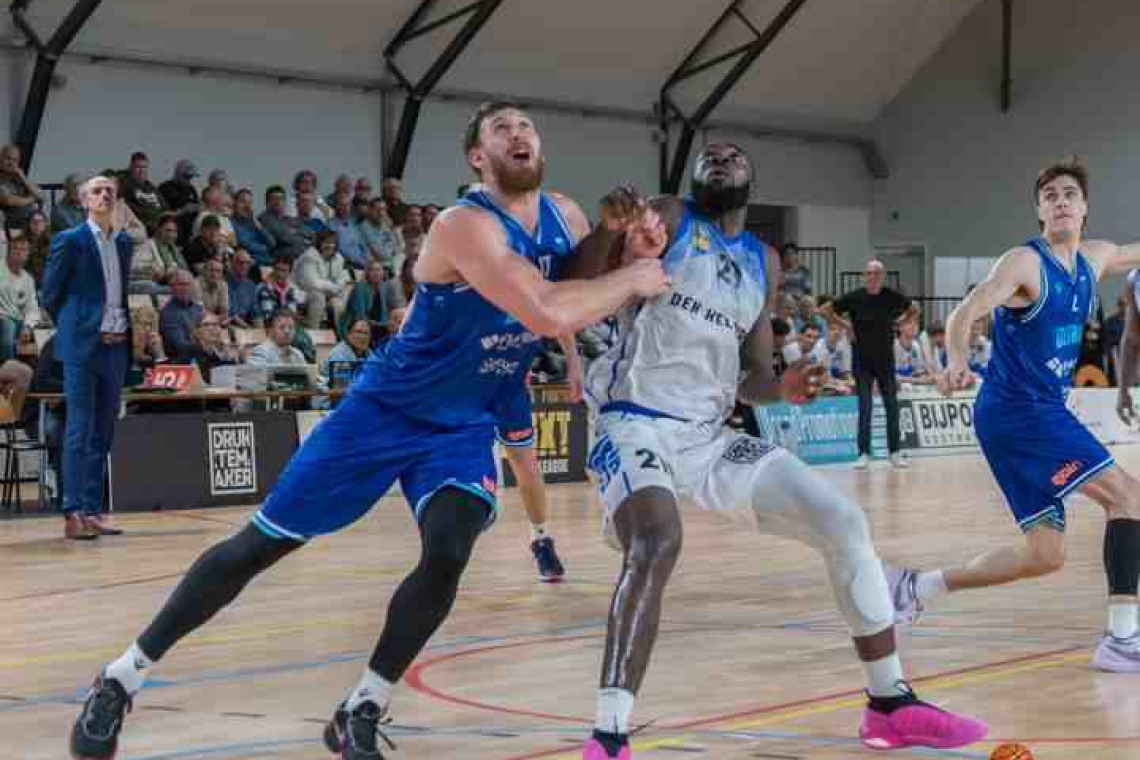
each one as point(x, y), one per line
point(678, 355)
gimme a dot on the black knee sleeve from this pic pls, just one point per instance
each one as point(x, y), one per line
point(451, 522)
point(1122, 556)
point(212, 582)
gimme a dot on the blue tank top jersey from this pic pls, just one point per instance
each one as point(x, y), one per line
point(1036, 347)
point(458, 353)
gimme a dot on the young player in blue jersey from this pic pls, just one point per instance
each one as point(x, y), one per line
point(1041, 295)
point(423, 411)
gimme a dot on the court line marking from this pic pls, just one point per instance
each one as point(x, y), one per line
point(776, 713)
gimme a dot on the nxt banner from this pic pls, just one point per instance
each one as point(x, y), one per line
point(560, 437)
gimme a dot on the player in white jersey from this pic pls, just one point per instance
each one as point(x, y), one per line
point(662, 394)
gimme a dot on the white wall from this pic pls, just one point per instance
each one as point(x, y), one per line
point(962, 171)
point(261, 133)
point(846, 228)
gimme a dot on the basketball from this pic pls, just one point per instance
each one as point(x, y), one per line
point(1011, 752)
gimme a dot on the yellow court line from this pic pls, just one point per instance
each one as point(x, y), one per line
point(842, 703)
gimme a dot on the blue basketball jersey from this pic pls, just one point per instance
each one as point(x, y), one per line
point(458, 353)
point(1036, 348)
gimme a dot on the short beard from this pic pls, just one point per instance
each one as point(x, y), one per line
point(715, 202)
point(517, 181)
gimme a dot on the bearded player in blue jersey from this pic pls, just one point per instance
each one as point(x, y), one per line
point(495, 275)
point(1041, 295)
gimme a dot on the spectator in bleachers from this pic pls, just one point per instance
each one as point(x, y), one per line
point(349, 239)
point(840, 378)
point(305, 181)
point(342, 185)
point(372, 299)
point(359, 210)
point(412, 230)
point(181, 197)
point(785, 308)
point(39, 244)
point(141, 194)
point(321, 275)
point(981, 348)
point(307, 212)
point(214, 204)
point(384, 243)
point(19, 309)
point(210, 348)
point(125, 219)
point(162, 255)
point(242, 290)
point(219, 179)
point(910, 366)
point(278, 348)
point(355, 346)
point(213, 290)
point(178, 317)
point(932, 343)
point(806, 344)
point(362, 191)
point(781, 335)
point(430, 212)
point(147, 348)
point(797, 277)
point(277, 292)
point(806, 314)
point(392, 190)
point(408, 277)
point(68, 212)
point(290, 234)
point(209, 244)
point(251, 234)
point(19, 196)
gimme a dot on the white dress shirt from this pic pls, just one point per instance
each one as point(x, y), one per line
point(114, 315)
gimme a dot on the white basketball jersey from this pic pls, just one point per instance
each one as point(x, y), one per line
point(678, 355)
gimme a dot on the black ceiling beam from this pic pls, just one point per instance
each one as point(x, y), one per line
point(477, 14)
point(746, 55)
point(1006, 54)
point(47, 57)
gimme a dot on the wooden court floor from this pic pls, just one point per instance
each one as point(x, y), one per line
point(752, 661)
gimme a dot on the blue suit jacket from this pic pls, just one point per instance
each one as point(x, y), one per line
point(74, 290)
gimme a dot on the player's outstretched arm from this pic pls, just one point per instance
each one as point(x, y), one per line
point(466, 244)
point(1129, 357)
point(1109, 258)
point(1016, 271)
point(801, 381)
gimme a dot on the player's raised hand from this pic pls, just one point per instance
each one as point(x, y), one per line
point(648, 277)
point(802, 381)
point(645, 238)
point(621, 208)
point(956, 377)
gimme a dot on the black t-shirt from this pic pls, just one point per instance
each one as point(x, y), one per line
point(873, 317)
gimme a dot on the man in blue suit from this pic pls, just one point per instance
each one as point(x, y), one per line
point(85, 291)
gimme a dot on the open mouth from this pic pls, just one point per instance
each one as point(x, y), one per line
point(522, 155)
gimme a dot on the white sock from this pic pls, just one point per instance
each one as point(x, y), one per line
point(614, 708)
point(130, 670)
point(930, 585)
point(883, 676)
point(1123, 620)
point(538, 531)
point(372, 688)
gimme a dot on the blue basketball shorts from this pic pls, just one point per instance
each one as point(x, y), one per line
point(354, 456)
point(1039, 453)
point(516, 420)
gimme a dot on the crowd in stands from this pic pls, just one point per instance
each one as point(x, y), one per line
point(207, 259)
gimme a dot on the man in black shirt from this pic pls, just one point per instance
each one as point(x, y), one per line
point(875, 311)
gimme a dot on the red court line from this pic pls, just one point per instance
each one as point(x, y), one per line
point(415, 679)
